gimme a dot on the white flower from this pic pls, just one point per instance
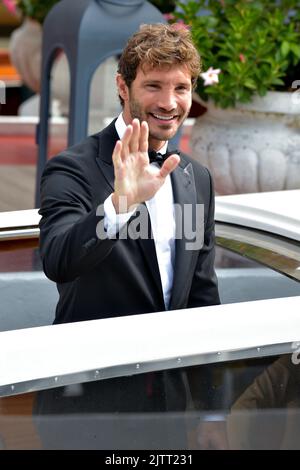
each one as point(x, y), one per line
point(210, 77)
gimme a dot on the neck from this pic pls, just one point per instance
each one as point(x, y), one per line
point(156, 144)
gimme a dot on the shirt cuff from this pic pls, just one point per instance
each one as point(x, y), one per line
point(114, 222)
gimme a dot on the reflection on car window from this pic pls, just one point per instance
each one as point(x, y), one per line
point(28, 298)
point(229, 259)
point(245, 404)
point(19, 258)
point(242, 279)
point(280, 253)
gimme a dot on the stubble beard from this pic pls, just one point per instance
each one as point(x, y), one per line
point(137, 112)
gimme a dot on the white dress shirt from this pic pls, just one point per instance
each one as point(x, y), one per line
point(161, 212)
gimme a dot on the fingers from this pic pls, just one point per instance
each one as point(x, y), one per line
point(169, 165)
point(126, 141)
point(144, 136)
point(135, 136)
point(117, 158)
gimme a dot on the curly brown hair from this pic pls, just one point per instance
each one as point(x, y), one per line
point(158, 45)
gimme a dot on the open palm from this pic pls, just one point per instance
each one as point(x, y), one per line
point(136, 181)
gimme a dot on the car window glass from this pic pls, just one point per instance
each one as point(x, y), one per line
point(245, 404)
point(242, 279)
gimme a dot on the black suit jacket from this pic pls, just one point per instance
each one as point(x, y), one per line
point(104, 278)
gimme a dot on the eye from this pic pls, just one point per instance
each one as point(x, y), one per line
point(152, 86)
point(182, 88)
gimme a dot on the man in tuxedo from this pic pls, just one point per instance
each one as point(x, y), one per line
point(91, 196)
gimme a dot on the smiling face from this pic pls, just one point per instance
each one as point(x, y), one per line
point(160, 96)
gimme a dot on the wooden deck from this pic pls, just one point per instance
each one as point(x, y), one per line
point(18, 156)
point(17, 185)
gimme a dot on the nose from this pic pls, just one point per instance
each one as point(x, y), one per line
point(167, 100)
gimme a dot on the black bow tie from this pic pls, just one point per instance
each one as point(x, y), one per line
point(157, 157)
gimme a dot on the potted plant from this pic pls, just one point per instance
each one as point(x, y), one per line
point(34, 9)
point(25, 43)
point(249, 137)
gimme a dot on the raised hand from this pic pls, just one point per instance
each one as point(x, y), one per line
point(136, 180)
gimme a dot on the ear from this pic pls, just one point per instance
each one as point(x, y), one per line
point(122, 87)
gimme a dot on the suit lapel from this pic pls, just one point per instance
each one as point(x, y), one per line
point(106, 143)
point(184, 198)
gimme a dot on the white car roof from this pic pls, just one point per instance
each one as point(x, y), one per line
point(277, 212)
point(50, 356)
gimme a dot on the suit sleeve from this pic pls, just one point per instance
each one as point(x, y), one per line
point(204, 287)
point(69, 244)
